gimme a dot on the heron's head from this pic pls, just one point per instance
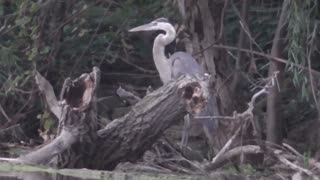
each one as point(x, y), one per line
point(158, 24)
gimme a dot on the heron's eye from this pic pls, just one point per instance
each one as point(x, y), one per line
point(154, 24)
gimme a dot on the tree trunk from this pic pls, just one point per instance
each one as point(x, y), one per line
point(242, 43)
point(204, 20)
point(274, 119)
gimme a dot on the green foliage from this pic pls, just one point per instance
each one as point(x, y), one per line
point(261, 24)
point(301, 18)
point(46, 121)
point(66, 38)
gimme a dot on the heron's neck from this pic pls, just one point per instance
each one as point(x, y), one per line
point(162, 63)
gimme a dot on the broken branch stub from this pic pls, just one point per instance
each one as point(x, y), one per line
point(46, 90)
point(77, 122)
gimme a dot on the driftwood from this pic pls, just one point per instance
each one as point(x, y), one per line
point(79, 143)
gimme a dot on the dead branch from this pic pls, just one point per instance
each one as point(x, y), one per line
point(224, 158)
point(311, 161)
point(128, 96)
point(312, 44)
point(249, 112)
point(5, 114)
point(278, 154)
point(245, 116)
point(64, 141)
point(272, 58)
point(226, 146)
point(47, 90)
point(75, 113)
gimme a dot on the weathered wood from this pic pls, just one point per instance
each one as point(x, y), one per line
point(45, 154)
point(80, 94)
point(77, 122)
point(47, 91)
point(81, 145)
point(127, 138)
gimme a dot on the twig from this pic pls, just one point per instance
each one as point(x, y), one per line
point(89, 43)
point(226, 146)
point(309, 71)
point(284, 61)
point(241, 43)
point(292, 165)
point(223, 12)
point(140, 68)
point(247, 149)
point(128, 96)
point(272, 82)
point(311, 161)
point(245, 114)
point(216, 117)
point(5, 114)
point(292, 150)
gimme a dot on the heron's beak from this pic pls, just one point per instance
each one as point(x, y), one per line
point(146, 27)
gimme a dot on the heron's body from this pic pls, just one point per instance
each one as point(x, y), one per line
point(184, 64)
point(180, 63)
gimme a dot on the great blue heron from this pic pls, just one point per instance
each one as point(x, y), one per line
point(178, 64)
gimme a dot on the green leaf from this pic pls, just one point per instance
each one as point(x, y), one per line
point(23, 21)
point(33, 54)
point(45, 50)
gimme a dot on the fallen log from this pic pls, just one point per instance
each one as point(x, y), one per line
point(127, 138)
point(79, 144)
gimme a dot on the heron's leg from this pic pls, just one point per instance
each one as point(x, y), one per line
point(185, 133)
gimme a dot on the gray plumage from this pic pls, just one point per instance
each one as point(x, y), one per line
point(180, 63)
point(184, 64)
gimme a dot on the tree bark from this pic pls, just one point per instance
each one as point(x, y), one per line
point(127, 138)
point(242, 41)
point(274, 119)
point(77, 122)
point(80, 144)
point(204, 20)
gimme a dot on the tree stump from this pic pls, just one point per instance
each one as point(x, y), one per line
point(77, 131)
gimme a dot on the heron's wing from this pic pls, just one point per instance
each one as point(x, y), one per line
point(183, 63)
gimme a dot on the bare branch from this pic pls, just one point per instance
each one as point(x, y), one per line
point(281, 60)
point(5, 114)
point(292, 165)
point(47, 90)
point(248, 149)
point(128, 96)
point(310, 70)
point(226, 146)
